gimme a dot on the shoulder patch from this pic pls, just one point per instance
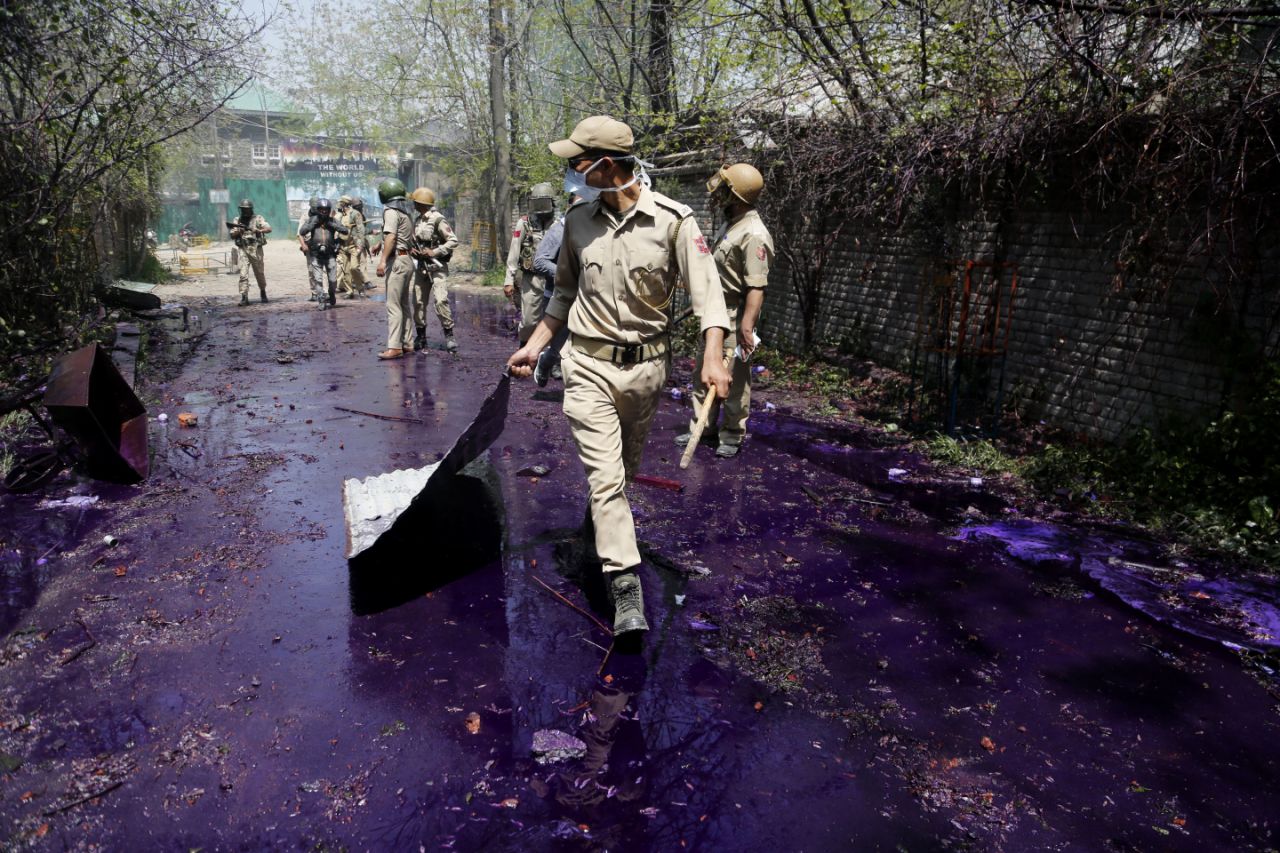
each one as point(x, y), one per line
point(761, 252)
point(701, 243)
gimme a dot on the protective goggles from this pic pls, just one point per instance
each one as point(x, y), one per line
point(542, 204)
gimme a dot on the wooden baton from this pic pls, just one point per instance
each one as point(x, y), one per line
point(700, 426)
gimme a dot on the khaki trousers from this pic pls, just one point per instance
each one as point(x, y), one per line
point(350, 277)
point(399, 304)
point(736, 406)
point(433, 286)
point(251, 259)
point(531, 300)
point(610, 408)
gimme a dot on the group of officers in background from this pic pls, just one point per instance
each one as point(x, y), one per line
point(595, 292)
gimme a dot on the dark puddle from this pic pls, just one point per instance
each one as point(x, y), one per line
point(450, 531)
point(1240, 611)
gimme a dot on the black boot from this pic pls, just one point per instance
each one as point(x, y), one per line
point(449, 343)
point(420, 338)
point(628, 602)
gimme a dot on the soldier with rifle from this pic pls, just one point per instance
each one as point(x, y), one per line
point(249, 233)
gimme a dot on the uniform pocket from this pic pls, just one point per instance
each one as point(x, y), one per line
point(649, 276)
point(594, 260)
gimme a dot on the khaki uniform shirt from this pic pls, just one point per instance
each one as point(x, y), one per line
point(395, 222)
point(616, 272)
point(431, 231)
point(354, 221)
point(744, 253)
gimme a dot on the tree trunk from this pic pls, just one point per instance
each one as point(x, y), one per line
point(661, 70)
point(498, 117)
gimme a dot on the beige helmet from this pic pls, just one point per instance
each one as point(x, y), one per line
point(345, 201)
point(741, 180)
point(422, 195)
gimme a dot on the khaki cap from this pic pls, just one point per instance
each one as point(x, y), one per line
point(603, 133)
point(422, 195)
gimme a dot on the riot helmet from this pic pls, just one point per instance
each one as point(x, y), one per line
point(740, 182)
point(311, 205)
point(246, 208)
point(542, 201)
point(423, 196)
point(389, 190)
point(324, 207)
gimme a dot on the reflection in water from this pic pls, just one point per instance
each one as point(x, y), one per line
point(613, 768)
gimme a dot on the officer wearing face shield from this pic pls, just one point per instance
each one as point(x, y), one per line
point(522, 282)
point(743, 253)
point(621, 257)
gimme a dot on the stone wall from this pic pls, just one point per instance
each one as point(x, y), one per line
point(1091, 350)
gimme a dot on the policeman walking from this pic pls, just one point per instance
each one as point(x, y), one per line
point(617, 271)
point(433, 245)
point(250, 234)
point(525, 240)
point(743, 253)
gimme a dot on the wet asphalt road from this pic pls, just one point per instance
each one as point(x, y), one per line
point(829, 667)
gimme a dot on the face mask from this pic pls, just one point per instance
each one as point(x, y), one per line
point(576, 182)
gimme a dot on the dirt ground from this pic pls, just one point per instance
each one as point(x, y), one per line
point(850, 650)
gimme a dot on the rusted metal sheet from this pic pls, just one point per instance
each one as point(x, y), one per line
point(89, 399)
point(386, 504)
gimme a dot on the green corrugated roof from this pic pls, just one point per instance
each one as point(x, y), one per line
point(256, 98)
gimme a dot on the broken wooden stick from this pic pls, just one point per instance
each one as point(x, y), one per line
point(381, 417)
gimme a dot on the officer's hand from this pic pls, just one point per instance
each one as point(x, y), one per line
point(747, 341)
point(382, 270)
point(302, 249)
point(522, 361)
point(715, 373)
point(507, 290)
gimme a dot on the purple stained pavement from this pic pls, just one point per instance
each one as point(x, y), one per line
point(838, 660)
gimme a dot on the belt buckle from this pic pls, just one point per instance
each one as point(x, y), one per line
point(628, 354)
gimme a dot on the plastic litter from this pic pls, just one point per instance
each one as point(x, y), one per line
point(897, 473)
point(110, 541)
point(162, 417)
point(74, 502)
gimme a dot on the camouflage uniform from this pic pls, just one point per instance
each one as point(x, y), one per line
point(431, 231)
point(525, 239)
point(743, 253)
point(249, 245)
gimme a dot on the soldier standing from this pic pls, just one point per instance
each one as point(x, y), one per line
point(250, 234)
point(397, 266)
point(618, 265)
point(433, 245)
point(350, 277)
point(743, 253)
point(323, 236)
point(525, 239)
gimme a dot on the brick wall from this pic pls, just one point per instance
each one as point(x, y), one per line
point(1090, 350)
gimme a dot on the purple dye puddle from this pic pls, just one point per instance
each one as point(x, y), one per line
point(824, 665)
point(1241, 611)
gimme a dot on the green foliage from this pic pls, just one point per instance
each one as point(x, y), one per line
point(807, 374)
point(495, 276)
point(1218, 484)
point(978, 455)
point(152, 270)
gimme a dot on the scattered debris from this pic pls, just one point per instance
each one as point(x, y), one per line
point(551, 746)
point(187, 419)
point(472, 723)
point(73, 502)
point(533, 471)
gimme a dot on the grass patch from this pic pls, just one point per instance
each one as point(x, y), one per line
point(977, 455)
point(494, 277)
